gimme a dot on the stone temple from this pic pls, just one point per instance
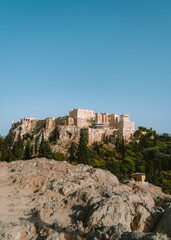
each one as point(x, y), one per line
point(100, 125)
point(63, 130)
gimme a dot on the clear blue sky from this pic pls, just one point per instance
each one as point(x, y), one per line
point(110, 56)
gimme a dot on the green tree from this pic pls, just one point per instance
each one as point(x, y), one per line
point(35, 147)
point(114, 167)
point(123, 149)
point(157, 159)
point(72, 153)
point(146, 141)
point(3, 151)
point(59, 156)
point(44, 149)
point(106, 140)
point(28, 150)
point(83, 153)
point(117, 144)
point(120, 147)
point(31, 149)
point(96, 147)
point(166, 181)
point(17, 150)
point(128, 166)
point(41, 147)
point(20, 142)
point(97, 162)
point(9, 156)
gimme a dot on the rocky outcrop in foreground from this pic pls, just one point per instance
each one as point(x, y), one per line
point(46, 199)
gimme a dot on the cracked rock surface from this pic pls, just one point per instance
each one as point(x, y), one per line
point(50, 200)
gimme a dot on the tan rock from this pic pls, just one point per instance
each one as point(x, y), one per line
point(50, 199)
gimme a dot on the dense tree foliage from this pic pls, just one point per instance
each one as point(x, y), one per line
point(147, 153)
point(59, 156)
point(44, 149)
point(72, 153)
point(157, 159)
point(165, 181)
point(83, 152)
point(28, 150)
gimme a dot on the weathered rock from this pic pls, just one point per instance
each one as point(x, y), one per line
point(164, 225)
point(111, 210)
point(142, 236)
point(59, 236)
point(46, 199)
point(66, 134)
point(20, 230)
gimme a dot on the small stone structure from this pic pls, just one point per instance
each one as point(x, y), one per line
point(139, 177)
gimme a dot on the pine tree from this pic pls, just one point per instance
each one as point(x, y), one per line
point(72, 150)
point(18, 147)
point(116, 143)
point(31, 149)
point(128, 166)
point(35, 148)
point(20, 142)
point(47, 150)
point(123, 149)
point(83, 150)
point(3, 152)
point(28, 150)
point(44, 149)
point(10, 156)
point(41, 147)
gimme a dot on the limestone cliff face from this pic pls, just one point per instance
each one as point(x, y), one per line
point(46, 199)
point(64, 136)
point(55, 130)
point(30, 126)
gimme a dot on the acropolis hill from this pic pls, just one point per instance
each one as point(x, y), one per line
point(63, 130)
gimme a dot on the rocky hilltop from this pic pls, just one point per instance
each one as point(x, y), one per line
point(64, 130)
point(46, 199)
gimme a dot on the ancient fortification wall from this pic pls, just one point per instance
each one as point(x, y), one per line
point(82, 117)
point(126, 127)
point(98, 134)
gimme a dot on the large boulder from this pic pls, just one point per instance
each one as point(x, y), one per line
point(110, 212)
point(164, 225)
point(18, 231)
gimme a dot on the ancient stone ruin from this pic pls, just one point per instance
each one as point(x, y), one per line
point(63, 130)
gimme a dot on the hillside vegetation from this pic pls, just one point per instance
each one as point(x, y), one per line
point(147, 152)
